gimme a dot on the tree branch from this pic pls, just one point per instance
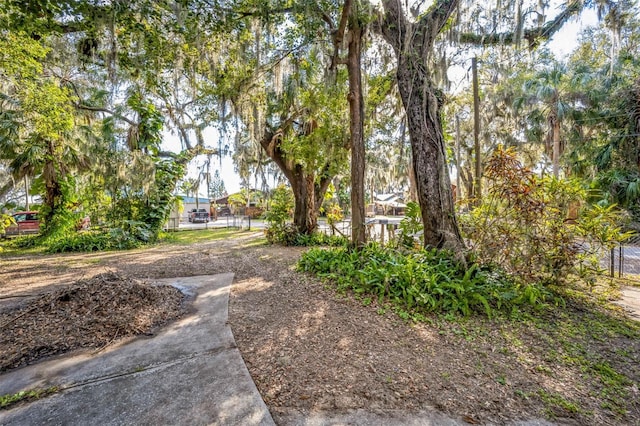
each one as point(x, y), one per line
point(532, 35)
point(342, 27)
point(438, 15)
point(105, 110)
point(271, 140)
point(393, 26)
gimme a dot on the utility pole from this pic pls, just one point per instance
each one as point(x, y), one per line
point(458, 167)
point(476, 130)
point(208, 177)
point(26, 192)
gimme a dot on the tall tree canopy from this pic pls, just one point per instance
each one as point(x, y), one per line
point(268, 76)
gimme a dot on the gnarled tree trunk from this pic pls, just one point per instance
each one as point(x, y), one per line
point(413, 44)
point(308, 188)
point(429, 158)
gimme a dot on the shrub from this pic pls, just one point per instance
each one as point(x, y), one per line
point(279, 230)
point(422, 280)
point(334, 216)
point(133, 234)
point(411, 227)
point(5, 221)
point(522, 225)
point(79, 242)
point(320, 239)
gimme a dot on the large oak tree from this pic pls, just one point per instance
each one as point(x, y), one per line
point(413, 42)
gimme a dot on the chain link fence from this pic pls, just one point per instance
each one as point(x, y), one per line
point(623, 260)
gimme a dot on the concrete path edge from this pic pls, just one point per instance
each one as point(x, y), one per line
point(191, 372)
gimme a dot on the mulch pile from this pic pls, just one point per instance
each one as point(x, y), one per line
point(88, 314)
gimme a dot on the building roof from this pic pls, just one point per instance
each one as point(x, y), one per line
point(186, 199)
point(388, 197)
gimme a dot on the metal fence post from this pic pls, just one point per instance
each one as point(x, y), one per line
point(620, 262)
point(612, 263)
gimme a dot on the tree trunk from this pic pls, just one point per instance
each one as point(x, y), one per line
point(305, 215)
point(54, 196)
point(356, 111)
point(413, 188)
point(308, 191)
point(555, 157)
point(413, 45)
point(476, 134)
point(429, 158)
point(413, 191)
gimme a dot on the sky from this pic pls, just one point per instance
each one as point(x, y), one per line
point(562, 44)
point(566, 39)
point(225, 167)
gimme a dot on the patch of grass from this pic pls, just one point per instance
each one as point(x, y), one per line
point(94, 241)
point(554, 400)
point(16, 247)
point(591, 341)
point(544, 369)
point(9, 400)
point(632, 280)
point(201, 235)
point(256, 242)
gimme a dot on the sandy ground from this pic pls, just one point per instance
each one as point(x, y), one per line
point(310, 349)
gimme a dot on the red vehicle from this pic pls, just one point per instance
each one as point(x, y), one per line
point(26, 223)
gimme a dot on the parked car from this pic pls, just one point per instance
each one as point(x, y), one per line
point(199, 215)
point(26, 223)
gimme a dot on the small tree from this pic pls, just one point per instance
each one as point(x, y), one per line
point(279, 215)
point(216, 186)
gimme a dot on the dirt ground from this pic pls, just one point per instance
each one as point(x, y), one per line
point(309, 348)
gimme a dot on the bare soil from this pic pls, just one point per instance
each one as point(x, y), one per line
point(309, 348)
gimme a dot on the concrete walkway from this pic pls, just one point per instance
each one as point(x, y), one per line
point(631, 301)
point(191, 373)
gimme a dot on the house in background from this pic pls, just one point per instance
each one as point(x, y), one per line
point(388, 204)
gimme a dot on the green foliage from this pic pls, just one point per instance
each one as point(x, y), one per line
point(147, 135)
point(421, 281)
point(278, 216)
point(80, 242)
point(37, 121)
point(319, 239)
point(411, 226)
point(151, 205)
point(244, 198)
point(334, 216)
point(279, 229)
point(523, 225)
point(620, 186)
point(20, 55)
point(8, 400)
point(603, 141)
point(5, 221)
point(25, 242)
point(159, 200)
point(132, 235)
